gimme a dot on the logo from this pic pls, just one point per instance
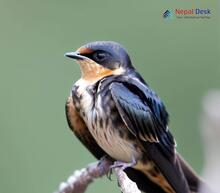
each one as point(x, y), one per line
point(167, 14)
point(195, 13)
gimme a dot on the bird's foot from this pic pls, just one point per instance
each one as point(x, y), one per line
point(123, 165)
point(106, 160)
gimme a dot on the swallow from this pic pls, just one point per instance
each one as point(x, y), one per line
point(114, 112)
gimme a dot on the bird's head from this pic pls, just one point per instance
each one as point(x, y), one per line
point(100, 59)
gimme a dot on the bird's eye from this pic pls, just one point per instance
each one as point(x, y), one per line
point(100, 56)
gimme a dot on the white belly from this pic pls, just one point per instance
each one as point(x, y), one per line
point(109, 139)
point(113, 144)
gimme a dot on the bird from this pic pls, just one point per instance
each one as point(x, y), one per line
point(114, 112)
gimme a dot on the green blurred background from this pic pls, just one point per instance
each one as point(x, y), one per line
point(179, 58)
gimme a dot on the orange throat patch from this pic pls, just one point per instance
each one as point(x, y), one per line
point(92, 71)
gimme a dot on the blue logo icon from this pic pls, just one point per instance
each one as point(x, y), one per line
point(167, 14)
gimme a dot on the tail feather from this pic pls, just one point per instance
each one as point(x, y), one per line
point(171, 170)
point(191, 177)
point(193, 180)
point(147, 184)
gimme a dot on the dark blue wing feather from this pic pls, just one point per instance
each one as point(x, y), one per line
point(144, 114)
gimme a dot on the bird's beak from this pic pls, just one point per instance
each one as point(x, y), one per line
point(75, 55)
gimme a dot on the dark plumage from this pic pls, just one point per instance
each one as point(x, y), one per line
point(113, 111)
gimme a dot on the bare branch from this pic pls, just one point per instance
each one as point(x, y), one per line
point(126, 185)
point(80, 179)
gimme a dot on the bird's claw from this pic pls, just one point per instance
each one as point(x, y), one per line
point(109, 174)
point(102, 164)
point(123, 165)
